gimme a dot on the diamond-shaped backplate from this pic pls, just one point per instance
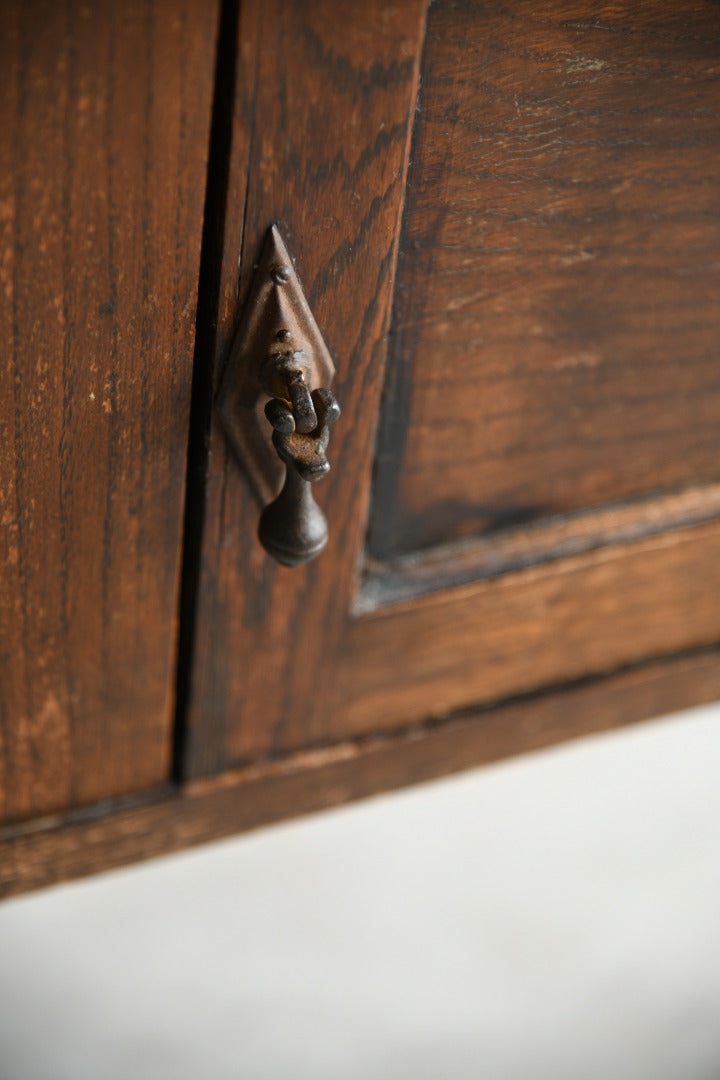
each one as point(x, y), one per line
point(276, 298)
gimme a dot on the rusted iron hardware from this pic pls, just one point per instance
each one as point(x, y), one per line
point(279, 354)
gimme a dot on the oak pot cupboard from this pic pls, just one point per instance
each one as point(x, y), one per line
point(504, 218)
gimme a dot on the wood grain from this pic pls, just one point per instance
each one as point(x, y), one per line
point(104, 119)
point(557, 311)
point(322, 118)
point(545, 541)
point(54, 850)
point(582, 615)
point(321, 124)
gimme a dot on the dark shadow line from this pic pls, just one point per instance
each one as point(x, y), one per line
point(218, 170)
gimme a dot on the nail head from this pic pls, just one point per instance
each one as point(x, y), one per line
point(280, 274)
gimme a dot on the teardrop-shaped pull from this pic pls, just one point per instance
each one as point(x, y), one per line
point(279, 352)
point(293, 528)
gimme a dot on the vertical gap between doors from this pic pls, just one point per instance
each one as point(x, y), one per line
point(203, 360)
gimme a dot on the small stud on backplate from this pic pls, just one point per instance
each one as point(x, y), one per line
point(279, 359)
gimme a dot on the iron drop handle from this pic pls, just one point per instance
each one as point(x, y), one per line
point(293, 528)
point(279, 353)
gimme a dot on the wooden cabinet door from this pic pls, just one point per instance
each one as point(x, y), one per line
point(506, 219)
point(507, 223)
point(104, 131)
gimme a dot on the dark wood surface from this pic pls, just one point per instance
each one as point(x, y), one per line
point(104, 120)
point(323, 113)
point(286, 660)
point(545, 541)
point(557, 310)
point(556, 297)
point(62, 848)
point(487, 640)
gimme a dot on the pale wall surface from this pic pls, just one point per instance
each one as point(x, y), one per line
point(553, 918)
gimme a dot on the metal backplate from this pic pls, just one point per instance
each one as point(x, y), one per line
point(276, 300)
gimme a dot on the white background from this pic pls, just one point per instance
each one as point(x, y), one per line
point(556, 916)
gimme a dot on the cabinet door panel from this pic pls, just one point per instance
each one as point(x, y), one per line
point(553, 345)
point(543, 503)
point(105, 121)
point(322, 121)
